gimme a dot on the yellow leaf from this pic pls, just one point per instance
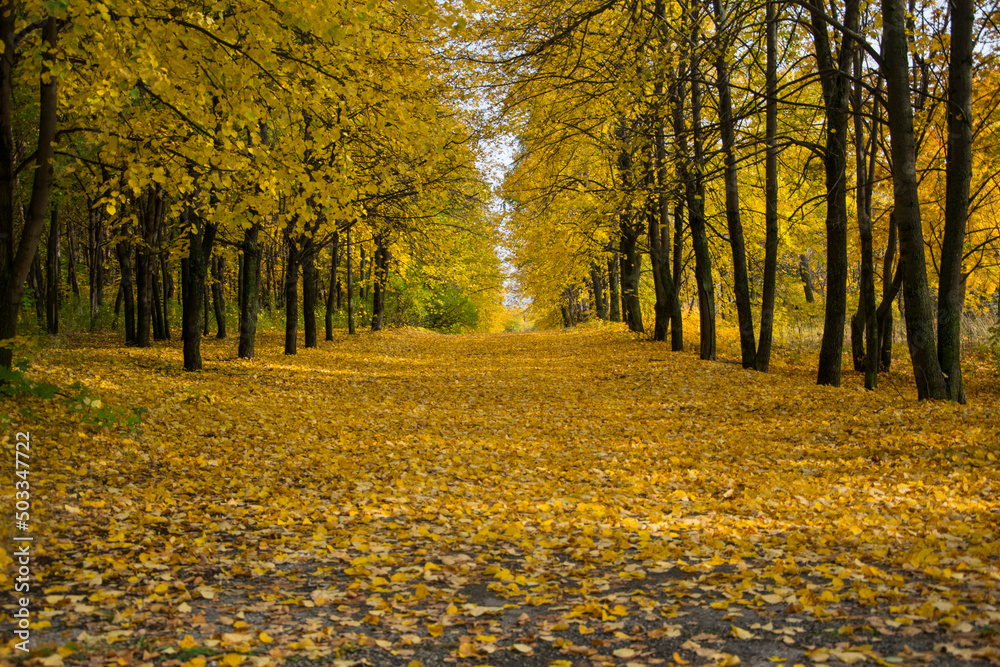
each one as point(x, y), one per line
point(266, 638)
point(197, 661)
point(624, 653)
point(232, 659)
point(435, 630)
point(740, 633)
point(188, 642)
point(466, 650)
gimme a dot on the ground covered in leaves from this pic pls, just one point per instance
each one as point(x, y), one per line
point(576, 498)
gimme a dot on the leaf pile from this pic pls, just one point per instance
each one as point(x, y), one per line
point(552, 499)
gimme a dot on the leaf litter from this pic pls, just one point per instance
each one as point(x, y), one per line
point(576, 498)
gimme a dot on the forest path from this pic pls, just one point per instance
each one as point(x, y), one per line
point(515, 499)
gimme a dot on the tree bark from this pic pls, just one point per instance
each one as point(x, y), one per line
point(15, 265)
point(219, 295)
point(310, 296)
point(125, 266)
point(737, 242)
point(350, 287)
point(919, 316)
point(381, 276)
point(614, 288)
point(333, 294)
point(96, 265)
point(249, 291)
point(694, 189)
point(864, 322)
point(291, 292)
point(835, 82)
point(770, 278)
point(598, 287)
point(53, 275)
point(201, 238)
point(951, 290)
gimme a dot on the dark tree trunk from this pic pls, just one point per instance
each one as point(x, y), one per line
point(763, 360)
point(149, 210)
point(125, 265)
point(36, 283)
point(206, 292)
point(218, 294)
point(598, 287)
point(310, 297)
point(53, 276)
point(883, 316)
point(168, 290)
point(630, 268)
point(835, 82)
point(96, 264)
point(951, 292)
point(333, 294)
point(74, 280)
point(15, 265)
point(805, 273)
point(381, 279)
point(614, 299)
point(201, 238)
point(350, 286)
point(919, 313)
point(249, 291)
point(864, 322)
point(676, 317)
point(294, 259)
point(737, 242)
point(159, 326)
point(694, 190)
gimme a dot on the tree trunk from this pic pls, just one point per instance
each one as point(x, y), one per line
point(835, 82)
point(614, 299)
point(805, 274)
point(249, 291)
point(96, 266)
point(864, 322)
point(763, 359)
point(676, 317)
point(201, 238)
point(74, 281)
point(919, 316)
point(381, 278)
point(148, 209)
point(53, 275)
point(310, 297)
point(951, 291)
point(159, 325)
point(14, 266)
point(694, 189)
point(630, 268)
point(333, 294)
point(737, 242)
point(598, 287)
point(294, 259)
point(125, 265)
point(168, 289)
point(350, 287)
point(218, 295)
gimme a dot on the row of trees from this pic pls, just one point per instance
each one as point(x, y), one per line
point(712, 138)
point(280, 134)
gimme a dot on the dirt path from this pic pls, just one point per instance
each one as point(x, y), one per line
point(534, 499)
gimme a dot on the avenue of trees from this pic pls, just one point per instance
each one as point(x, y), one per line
point(178, 160)
point(297, 154)
point(723, 155)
